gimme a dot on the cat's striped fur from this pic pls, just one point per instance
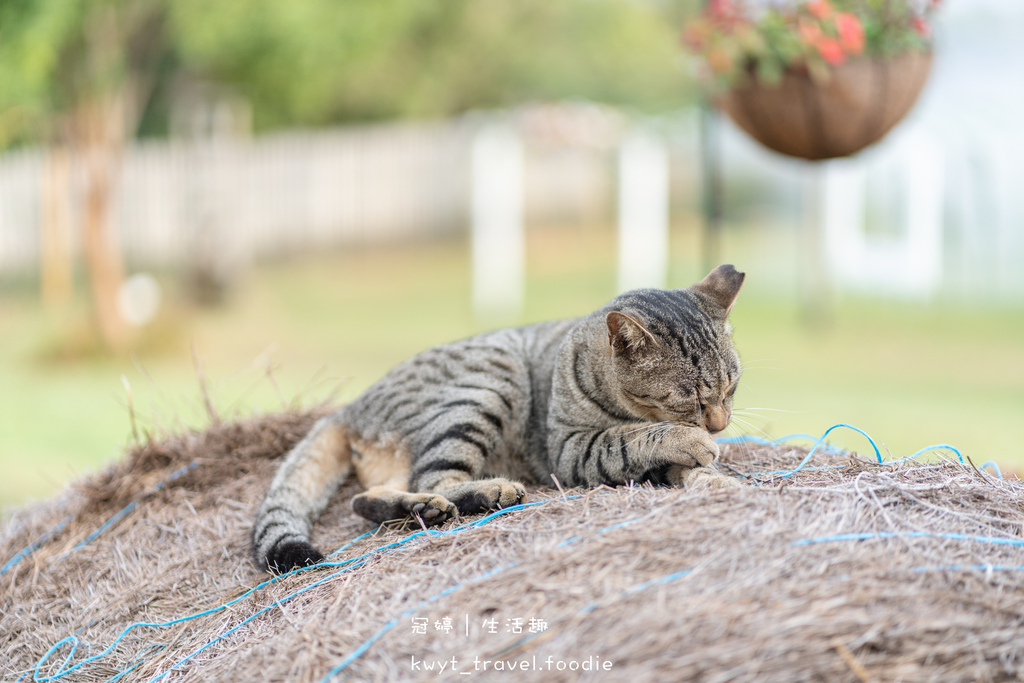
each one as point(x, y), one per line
point(631, 392)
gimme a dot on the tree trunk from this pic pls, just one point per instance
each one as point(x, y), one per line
point(56, 265)
point(98, 127)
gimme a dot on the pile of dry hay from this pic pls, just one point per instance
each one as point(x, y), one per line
point(635, 583)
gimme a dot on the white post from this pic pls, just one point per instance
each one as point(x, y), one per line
point(497, 217)
point(843, 198)
point(909, 265)
point(643, 212)
point(924, 165)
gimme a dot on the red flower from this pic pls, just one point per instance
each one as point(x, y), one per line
point(922, 27)
point(831, 51)
point(819, 8)
point(722, 9)
point(851, 32)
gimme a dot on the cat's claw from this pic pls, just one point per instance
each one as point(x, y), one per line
point(434, 511)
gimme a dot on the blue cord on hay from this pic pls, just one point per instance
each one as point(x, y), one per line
point(34, 546)
point(971, 568)
point(820, 443)
point(995, 540)
point(118, 516)
point(383, 550)
point(587, 609)
point(345, 566)
point(760, 441)
point(368, 643)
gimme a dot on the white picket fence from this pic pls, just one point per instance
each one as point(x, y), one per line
point(282, 193)
point(293, 192)
point(955, 230)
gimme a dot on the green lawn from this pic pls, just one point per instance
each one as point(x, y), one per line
point(910, 374)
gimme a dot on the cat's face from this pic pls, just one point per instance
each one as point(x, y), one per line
point(672, 356)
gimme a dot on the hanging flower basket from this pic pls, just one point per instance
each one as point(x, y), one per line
point(815, 80)
point(859, 104)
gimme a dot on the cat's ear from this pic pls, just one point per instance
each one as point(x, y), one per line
point(721, 286)
point(626, 334)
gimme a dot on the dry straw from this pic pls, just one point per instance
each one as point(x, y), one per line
point(845, 570)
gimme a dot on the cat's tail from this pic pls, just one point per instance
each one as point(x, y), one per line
point(305, 482)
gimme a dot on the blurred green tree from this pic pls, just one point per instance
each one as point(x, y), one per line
point(80, 75)
point(315, 62)
point(77, 74)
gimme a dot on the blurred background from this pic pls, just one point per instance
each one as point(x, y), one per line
point(214, 209)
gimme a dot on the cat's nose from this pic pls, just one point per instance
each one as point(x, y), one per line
point(716, 418)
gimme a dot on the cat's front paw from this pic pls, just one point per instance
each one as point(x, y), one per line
point(703, 479)
point(704, 450)
point(689, 447)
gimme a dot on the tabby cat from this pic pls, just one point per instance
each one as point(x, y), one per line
point(631, 392)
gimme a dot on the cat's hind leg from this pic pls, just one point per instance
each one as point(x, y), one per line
point(305, 482)
point(387, 503)
point(383, 467)
point(451, 463)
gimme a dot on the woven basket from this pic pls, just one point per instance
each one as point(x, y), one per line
point(859, 104)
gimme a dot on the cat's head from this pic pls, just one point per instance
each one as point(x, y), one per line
point(671, 351)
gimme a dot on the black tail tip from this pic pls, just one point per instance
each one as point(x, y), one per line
point(286, 556)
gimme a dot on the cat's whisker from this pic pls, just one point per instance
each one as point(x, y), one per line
point(751, 426)
point(634, 431)
point(644, 431)
point(648, 453)
point(763, 419)
point(663, 429)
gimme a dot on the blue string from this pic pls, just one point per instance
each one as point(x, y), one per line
point(971, 567)
point(269, 607)
point(935, 447)
point(123, 512)
point(819, 468)
point(139, 659)
point(993, 465)
point(587, 609)
point(368, 643)
point(864, 536)
point(118, 516)
point(760, 441)
point(379, 551)
point(32, 547)
point(353, 541)
point(820, 442)
point(347, 565)
point(63, 670)
point(640, 587)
